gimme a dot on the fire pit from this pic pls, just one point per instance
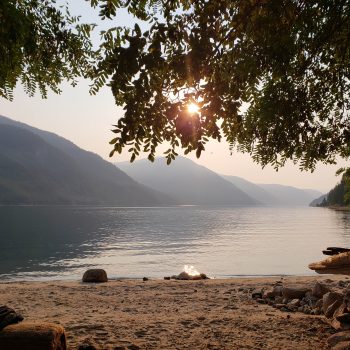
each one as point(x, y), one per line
point(189, 273)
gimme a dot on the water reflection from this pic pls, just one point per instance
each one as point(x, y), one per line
point(60, 242)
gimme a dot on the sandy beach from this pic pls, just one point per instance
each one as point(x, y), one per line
point(159, 314)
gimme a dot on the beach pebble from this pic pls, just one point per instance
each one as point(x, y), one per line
point(95, 276)
point(293, 304)
point(342, 284)
point(257, 294)
point(87, 347)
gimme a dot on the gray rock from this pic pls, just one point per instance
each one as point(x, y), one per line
point(329, 298)
point(183, 276)
point(311, 300)
point(307, 310)
point(332, 309)
point(95, 276)
point(294, 292)
point(294, 303)
point(319, 290)
point(341, 318)
point(319, 303)
point(342, 284)
point(279, 300)
point(257, 294)
point(273, 292)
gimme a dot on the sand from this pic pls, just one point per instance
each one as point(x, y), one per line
point(159, 314)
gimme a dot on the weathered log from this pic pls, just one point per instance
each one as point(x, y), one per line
point(335, 264)
point(335, 250)
point(33, 336)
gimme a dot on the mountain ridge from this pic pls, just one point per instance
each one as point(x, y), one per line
point(79, 177)
point(187, 182)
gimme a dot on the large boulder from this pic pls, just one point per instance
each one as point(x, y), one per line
point(319, 290)
point(95, 276)
point(8, 316)
point(294, 292)
point(33, 336)
point(273, 292)
point(331, 302)
point(341, 318)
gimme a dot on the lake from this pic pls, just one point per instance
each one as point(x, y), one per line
point(62, 242)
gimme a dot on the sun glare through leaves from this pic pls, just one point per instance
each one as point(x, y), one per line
point(193, 108)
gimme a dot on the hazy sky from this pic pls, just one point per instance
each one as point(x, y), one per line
point(87, 120)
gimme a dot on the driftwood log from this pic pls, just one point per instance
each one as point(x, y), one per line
point(33, 336)
point(337, 263)
point(335, 250)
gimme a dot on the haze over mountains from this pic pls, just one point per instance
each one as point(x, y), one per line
point(187, 182)
point(39, 167)
point(275, 195)
point(190, 183)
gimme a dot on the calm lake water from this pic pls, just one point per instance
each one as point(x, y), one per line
point(62, 242)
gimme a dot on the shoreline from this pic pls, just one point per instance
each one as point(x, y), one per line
point(159, 314)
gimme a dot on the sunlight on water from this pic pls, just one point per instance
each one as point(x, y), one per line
point(56, 243)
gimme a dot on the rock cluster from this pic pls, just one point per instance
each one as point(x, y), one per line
point(332, 301)
point(186, 277)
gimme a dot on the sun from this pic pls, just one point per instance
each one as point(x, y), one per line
point(193, 108)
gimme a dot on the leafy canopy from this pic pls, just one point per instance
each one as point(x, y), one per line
point(287, 61)
point(41, 45)
point(271, 77)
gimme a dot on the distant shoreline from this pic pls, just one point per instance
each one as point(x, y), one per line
point(338, 208)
